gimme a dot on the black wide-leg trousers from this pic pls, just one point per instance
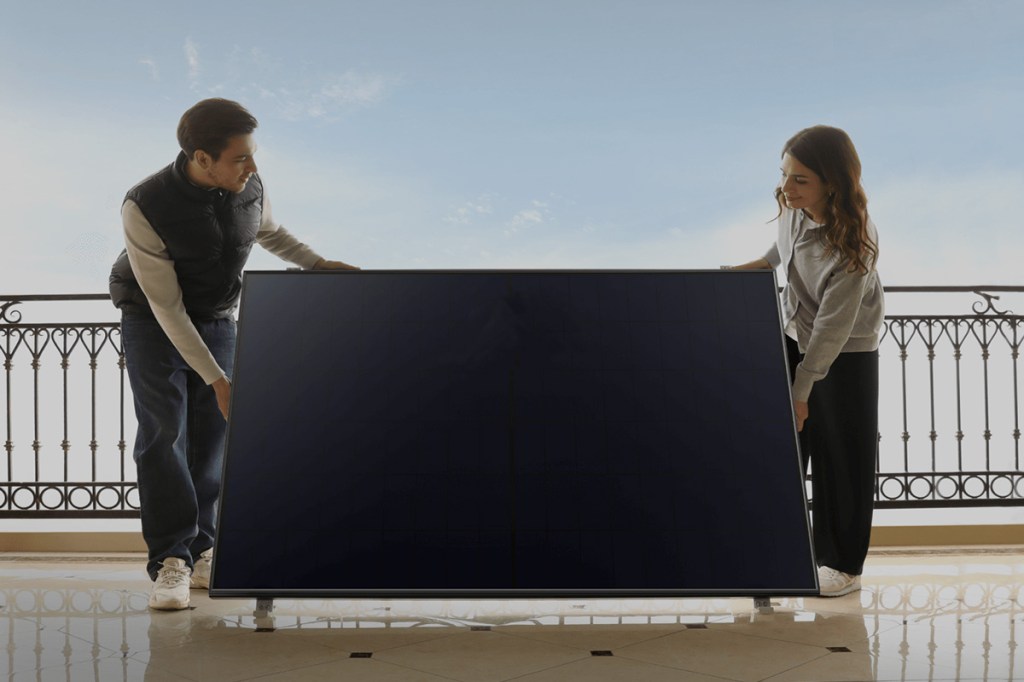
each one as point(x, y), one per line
point(840, 441)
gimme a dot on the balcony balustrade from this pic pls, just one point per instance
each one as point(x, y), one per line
point(949, 413)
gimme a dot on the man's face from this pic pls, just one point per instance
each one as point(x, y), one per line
point(233, 168)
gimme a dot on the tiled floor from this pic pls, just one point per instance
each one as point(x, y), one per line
point(938, 615)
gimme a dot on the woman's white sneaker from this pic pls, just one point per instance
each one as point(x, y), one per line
point(170, 590)
point(835, 583)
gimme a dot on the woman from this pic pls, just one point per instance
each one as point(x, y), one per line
point(832, 312)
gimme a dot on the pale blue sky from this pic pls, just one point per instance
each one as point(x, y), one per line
point(521, 134)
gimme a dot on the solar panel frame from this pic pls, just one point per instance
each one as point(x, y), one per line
point(506, 335)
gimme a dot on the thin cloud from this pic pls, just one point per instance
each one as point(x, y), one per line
point(258, 73)
point(465, 214)
point(526, 218)
point(192, 59)
point(483, 213)
point(154, 72)
point(329, 99)
point(354, 89)
point(932, 230)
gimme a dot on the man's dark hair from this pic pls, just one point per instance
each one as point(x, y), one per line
point(209, 124)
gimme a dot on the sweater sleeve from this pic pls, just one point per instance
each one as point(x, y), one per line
point(773, 257)
point(281, 243)
point(833, 323)
point(154, 271)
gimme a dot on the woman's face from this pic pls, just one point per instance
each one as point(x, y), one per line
point(802, 188)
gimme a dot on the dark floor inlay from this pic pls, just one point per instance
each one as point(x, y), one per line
point(361, 654)
point(696, 626)
point(838, 649)
point(601, 652)
point(480, 628)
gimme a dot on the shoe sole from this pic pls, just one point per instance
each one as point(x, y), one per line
point(168, 607)
point(841, 593)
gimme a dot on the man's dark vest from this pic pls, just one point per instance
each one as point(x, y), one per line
point(208, 235)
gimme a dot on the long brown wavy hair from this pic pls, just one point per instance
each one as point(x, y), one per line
point(830, 153)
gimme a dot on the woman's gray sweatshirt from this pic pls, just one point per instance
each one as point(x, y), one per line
point(826, 309)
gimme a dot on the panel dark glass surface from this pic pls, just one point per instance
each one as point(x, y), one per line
point(499, 433)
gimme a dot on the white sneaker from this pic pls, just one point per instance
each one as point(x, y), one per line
point(202, 569)
point(170, 591)
point(835, 583)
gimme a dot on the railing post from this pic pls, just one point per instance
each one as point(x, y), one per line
point(957, 343)
point(932, 434)
point(8, 366)
point(121, 445)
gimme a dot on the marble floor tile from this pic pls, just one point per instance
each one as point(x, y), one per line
point(592, 637)
point(721, 653)
point(481, 656)
point(807, 627)
point(615, 669)
point(361, 669)
point(27, 645)
point(99, 670)
point(959, 645)
point(166, 629)
point(376, 641)
point(232, 659)
point(858, 667)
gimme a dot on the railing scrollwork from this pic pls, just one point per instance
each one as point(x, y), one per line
point(7, 315)
point(989, 307)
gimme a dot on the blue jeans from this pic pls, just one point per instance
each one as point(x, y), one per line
point(179, 446)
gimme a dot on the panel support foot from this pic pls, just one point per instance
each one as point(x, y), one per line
point(264, 615)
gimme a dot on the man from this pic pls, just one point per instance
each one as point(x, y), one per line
point(188, 232)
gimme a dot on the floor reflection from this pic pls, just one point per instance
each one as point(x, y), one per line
point(920, 617)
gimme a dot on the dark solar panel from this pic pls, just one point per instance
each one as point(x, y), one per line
point(511, 433)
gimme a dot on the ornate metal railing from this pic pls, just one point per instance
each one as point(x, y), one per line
point(967, 366)
point(88, 472)
point(949, 409)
